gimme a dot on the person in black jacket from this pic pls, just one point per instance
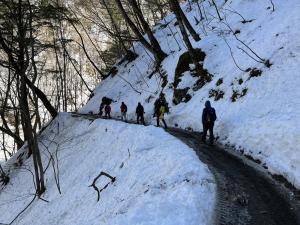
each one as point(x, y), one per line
point(208, 120)
point(105, 101)
point(123, 111)
point(107, 110)
point(161, 101)
point(140, 113)
point(102, 105)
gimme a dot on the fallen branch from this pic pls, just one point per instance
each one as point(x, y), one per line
point(273, 6)
point(260, 59)
point(216, 7)
point(232, 56)
point(243, 50)
point(128, 153)
point(21, 212)
point(129, 84)
point(113, 179)
point(235, 12)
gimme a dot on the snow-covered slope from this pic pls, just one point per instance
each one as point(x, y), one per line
point(159, 180)
point(265, 122)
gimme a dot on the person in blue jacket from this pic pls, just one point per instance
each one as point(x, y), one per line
point(208, 120)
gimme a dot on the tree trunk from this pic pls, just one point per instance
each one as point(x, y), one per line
point(192, 53)
point(146, 27)
point(25, 113)
point(17, 139)
point(85, 51)
point(216, 7)
point(158, 57)
point(187, 23)
point(41, 95)
point(115, 26)
point(6, 129)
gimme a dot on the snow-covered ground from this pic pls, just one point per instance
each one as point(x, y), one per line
point(264, 123)
point(159, 180)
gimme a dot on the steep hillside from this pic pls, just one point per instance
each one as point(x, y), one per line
point(253, 57)
point(155, 178)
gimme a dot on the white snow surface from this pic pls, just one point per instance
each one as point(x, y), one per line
point(159, 180)
point(265, 123)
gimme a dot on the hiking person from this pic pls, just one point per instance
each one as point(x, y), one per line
point(140, 114)
point(107, 110)
point(161, 101)
point(123, 108)
point(208, 120)
point(104, 101)
point(162, 111)
point(101, 108)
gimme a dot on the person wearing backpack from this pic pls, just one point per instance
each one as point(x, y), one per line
point(140, 114)
point(101, 109)
point(107, 110)
point(104, 101)
point(123, 111)
point(161, 101)
point(162, 111)
point(208, 120)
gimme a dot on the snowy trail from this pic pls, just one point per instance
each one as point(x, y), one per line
point(246, 195)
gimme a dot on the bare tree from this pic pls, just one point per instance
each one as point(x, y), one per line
point(188, 25)
point(175, 7)
point(157, 52)
point(147, 28)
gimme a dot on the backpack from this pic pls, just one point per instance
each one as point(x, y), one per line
point(161, 102)
point(210, 115)
point(107, 108)
point(139, 110)
point(123, 108)
point(162, 111)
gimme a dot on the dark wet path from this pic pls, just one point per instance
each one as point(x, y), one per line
point(245, 193)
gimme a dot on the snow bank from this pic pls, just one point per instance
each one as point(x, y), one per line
point(265, 123)
point(159, 180)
